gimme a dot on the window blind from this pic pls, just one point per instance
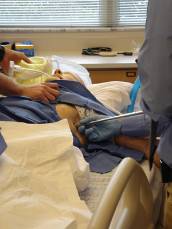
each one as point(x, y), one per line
point(131, 12)
point(72, 13)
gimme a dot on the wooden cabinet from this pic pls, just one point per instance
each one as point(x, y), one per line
point(103, 75)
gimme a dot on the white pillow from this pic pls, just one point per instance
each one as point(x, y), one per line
point(115, 95)
point(66, 65)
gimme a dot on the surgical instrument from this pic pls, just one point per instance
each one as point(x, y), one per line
point(115, 117)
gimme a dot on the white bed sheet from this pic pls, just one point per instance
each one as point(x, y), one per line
point(115, 95)
point(37, 178)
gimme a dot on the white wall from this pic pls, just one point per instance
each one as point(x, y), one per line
point(47, 43)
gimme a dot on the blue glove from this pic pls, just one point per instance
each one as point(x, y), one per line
point(99, 131)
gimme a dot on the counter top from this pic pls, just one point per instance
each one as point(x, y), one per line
point(97, 62)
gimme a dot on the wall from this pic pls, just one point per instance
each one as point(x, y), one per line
point(47, 43)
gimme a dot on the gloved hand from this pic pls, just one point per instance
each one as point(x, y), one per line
point(99, 131)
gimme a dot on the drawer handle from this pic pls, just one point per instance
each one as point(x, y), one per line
point(131, 74)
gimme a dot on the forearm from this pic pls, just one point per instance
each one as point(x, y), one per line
point(8, 86)
point(139, 126)
point(136, 126)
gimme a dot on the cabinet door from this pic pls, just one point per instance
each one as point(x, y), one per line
point(104, 75)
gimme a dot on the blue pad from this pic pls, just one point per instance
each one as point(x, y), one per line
point(133, 95)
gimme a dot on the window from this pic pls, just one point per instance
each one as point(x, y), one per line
point(72, 13)
point(131, 12)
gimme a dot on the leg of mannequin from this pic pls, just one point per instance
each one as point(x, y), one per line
point(70, 113)
point(140, 144)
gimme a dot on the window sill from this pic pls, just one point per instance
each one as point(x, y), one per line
point(53, 29)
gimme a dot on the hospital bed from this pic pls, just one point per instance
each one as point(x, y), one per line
point(41, 172)
point(45, 154)
point(127, 201)
point(117, 95)
point(100, 185)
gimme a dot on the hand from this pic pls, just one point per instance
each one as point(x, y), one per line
point(45, 92)
point(99, 131)
point(11, 55)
